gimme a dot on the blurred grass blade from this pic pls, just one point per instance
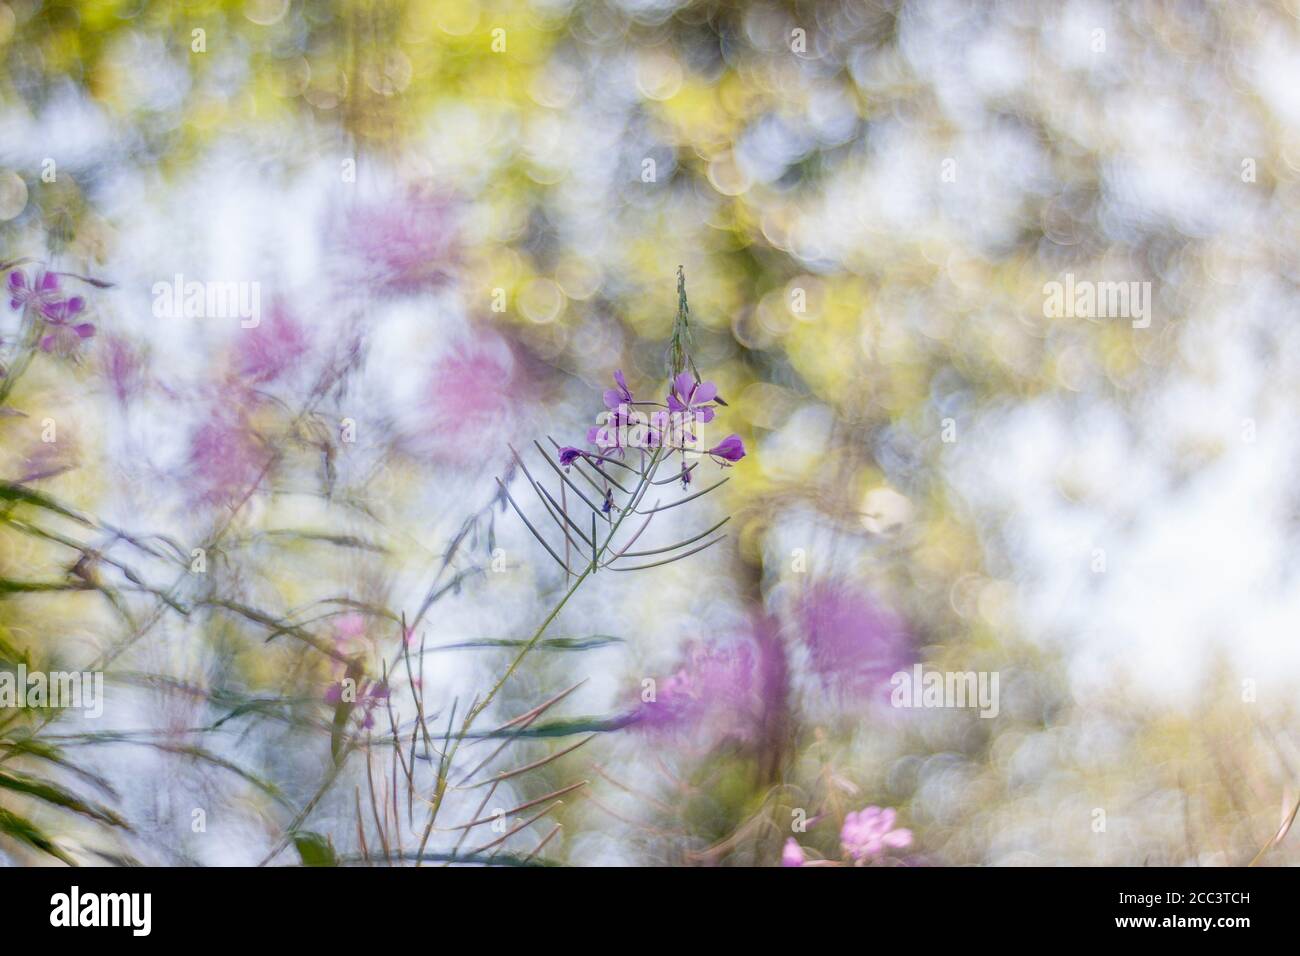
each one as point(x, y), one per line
point(24, 831)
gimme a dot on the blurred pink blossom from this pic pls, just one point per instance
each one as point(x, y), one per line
point(350, 633)
point(717, 689)
point(869, 832)
point(854, 644)
point(226, 459)
point(123, 367)
point(274, 347)
point(401, 244)
point(475, 397)
point(792, 854)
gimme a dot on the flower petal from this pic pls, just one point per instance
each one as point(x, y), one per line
point(898, 838)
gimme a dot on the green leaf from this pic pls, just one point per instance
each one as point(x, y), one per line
point(10, 586)
point(314, 849)
point(551, 644)
point(20, 495)
point(24, 831)
point(59, 797)
point(40, 750)
point(561, 727)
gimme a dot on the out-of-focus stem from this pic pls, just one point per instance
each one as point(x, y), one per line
point(481, 705)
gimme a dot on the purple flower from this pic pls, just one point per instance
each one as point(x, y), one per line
point(623, 428)
point(853, 643)
point(614, 397)
point(569, 454)
point(368, 697)
point(688, 397)
point(401, 244)
point(478, 392)
point(792, 854)
point(730, 449)
point(123, 367)
point(64, 335)
point(43, 291)
point(272, 348)
point(226, 459)
point(715, 690)
point(867, 833)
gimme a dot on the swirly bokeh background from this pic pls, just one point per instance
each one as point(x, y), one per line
point(1001, 299)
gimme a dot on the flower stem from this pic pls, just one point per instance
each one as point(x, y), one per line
point(440, 788)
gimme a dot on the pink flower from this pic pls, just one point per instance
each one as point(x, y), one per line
point(475, 396)
point(402, 244)
point(716, 690)
point(853, 643)
point(867, 833)
point(272, 348)
point(226, 459)
point(792, 854)
point(350, 633)
point(123, 366)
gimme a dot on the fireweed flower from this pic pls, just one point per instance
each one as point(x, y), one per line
point(274, 347)
point(715, 690)
point(42, 293)
point(368, 696)
point(225, 459)
point(401, 244)
point(730, 449)
point(691, 401)
point(569, 454)
point(721, 688)
point(792, 853)
point(476, 393)
point(623, 428)
point(350, 633)
point(853, 643)
point(866, 834)
point(688, 395)
point(123, 368)
point(621, 395)
point(63, 334)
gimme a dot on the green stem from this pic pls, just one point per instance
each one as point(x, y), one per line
point(441, 787)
